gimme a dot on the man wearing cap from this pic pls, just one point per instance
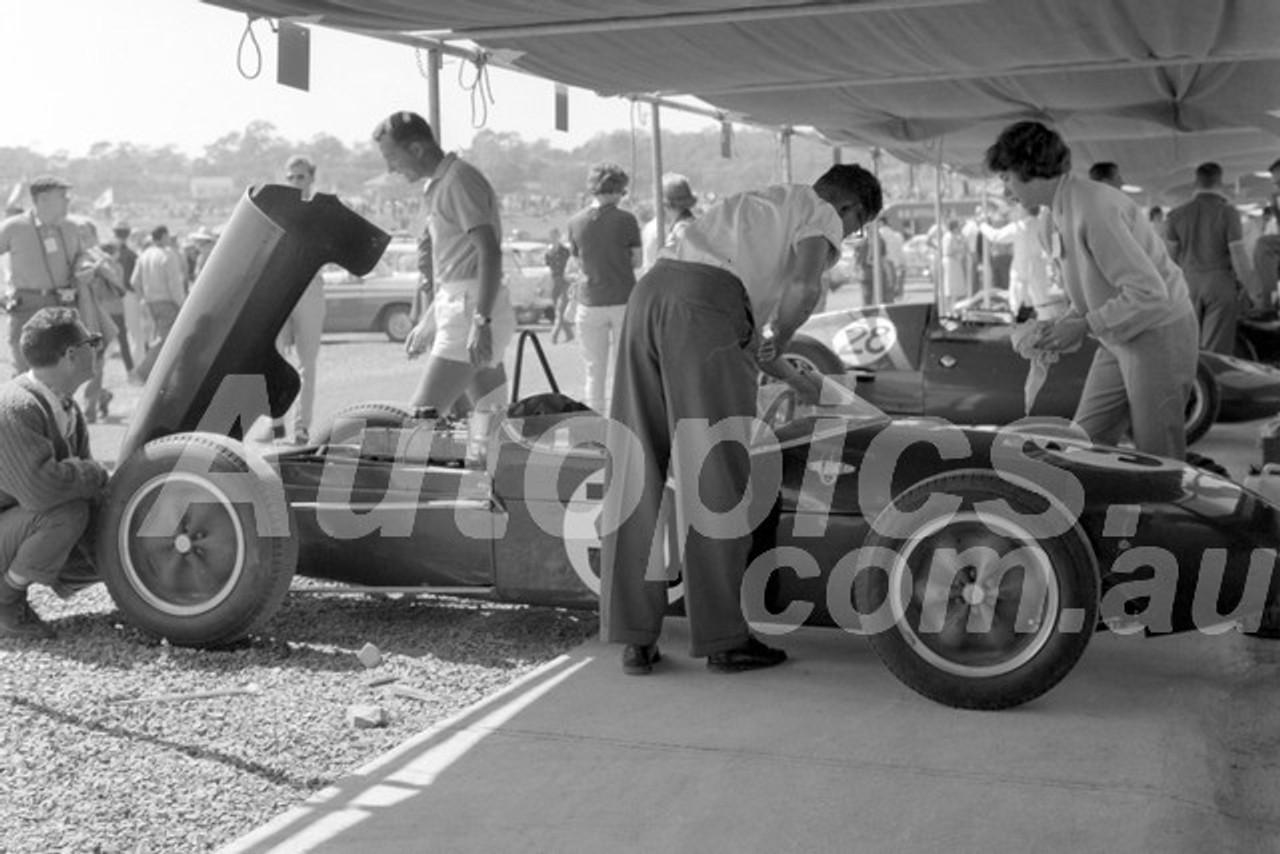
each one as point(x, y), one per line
point(606, 240)
point(49, 482)
point(677, 202)
point(44, 251)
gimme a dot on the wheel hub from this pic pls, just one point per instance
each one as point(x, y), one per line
point(182, 544)
point(974, 595)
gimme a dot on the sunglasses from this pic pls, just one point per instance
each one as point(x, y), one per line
point(94, 342)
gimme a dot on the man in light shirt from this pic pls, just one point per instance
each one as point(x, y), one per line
point(161, 282)
point(690, 352)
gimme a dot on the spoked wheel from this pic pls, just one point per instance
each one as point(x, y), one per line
point(348, 423)
point(992, 594)
point(195, 543)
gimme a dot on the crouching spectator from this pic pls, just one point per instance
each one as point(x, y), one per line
point(49, 482)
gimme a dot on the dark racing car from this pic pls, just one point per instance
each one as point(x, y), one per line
point(913, 359)
point(978, 562)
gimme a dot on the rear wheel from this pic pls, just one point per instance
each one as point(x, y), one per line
point(348, 423)
point(395, 322)
point(990, 605)
point(195, 542)
point(809, 354)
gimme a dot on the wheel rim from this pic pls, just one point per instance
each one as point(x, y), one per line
point(979, 620)
point(194, 553)
point(399, 325)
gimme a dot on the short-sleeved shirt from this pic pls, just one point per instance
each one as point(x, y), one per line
point(459, 199)
point(1200, 233)
point(42, 257)
point(753, 235)
point(603, 237)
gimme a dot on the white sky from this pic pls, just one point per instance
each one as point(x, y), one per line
point(157, 72)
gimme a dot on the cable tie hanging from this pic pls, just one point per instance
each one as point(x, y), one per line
point(257, 50)
point(480, 90)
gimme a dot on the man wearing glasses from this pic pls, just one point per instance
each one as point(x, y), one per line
point(689, 356)
point(49, 482)
point(303, 328)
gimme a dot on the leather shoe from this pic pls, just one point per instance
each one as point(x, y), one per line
point(638, 658)
point(18, 621)
point(751, 655)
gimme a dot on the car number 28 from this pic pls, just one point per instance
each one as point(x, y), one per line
point(868, 339)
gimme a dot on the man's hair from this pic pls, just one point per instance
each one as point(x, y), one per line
point(1208, 174)
point(301, 161)
point(854, 183)
point(1104, 170)
point(159, 233)
point(607, 178)
point(1029, 150)
point(404, 127)
point(48, 334)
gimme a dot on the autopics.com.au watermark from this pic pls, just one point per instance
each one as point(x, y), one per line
point(1143, 579)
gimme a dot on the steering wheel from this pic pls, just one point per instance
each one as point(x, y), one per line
point(782, 410)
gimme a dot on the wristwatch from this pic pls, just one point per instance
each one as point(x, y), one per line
point(481, 320)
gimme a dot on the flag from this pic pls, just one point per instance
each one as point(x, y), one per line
point(106, 200)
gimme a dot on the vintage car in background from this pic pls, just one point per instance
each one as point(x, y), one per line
point(379, 301)
point(526, 275)
point(979, 562)
point(382, 300)
point(914, 359)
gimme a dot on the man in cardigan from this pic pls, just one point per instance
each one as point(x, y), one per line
point(49, 484)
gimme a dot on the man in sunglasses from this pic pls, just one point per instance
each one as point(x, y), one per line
point(49, 483)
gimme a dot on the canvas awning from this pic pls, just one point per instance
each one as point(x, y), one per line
point(1155, 85)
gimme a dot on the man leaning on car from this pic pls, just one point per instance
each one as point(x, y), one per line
point(49, 483)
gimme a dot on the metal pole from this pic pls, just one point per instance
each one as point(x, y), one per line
point(785, 142)
point(434, 61)
point(877, 283)
point(659, 214)
point(940, 295)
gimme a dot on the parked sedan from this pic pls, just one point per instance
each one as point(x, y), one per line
point(529, 279)
point(381, 301)
point(912, 359)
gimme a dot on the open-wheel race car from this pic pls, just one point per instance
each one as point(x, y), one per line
point(918, 359)
point(978, 562)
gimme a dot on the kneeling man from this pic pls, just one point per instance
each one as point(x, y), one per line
point(49, 483)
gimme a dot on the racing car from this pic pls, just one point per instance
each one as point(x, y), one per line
point(958, 364)
point(978, 562)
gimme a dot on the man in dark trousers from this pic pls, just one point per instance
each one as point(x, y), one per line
point(49, 482)
point(689, 358)
point(1200, 235)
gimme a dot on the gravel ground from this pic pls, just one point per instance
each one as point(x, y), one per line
point(81, 771)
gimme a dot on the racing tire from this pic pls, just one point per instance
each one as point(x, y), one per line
point(1245, 348)
point(973, 639)
point(811, 354)
point(214, 561)
point(1203, 405)
point(395, 322)
point(347, 423)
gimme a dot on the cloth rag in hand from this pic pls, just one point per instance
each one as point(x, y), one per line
point(1023, 337)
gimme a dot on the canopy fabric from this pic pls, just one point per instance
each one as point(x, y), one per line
point(1154, 85)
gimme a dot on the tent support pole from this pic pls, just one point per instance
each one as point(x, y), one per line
point(659, 213)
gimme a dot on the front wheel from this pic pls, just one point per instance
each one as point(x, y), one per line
point(990, 591)
point(194, 542)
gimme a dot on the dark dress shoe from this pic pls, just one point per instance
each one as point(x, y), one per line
point(18, 621)
point(638, 659)
point(751, 655)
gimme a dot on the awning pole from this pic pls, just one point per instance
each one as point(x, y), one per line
point(785, 142)
point(877, 283)
point(433, 91)
point(987, 274)
point(940, 294)
point(659, 214)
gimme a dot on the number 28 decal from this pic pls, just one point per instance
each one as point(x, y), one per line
point(867, 340)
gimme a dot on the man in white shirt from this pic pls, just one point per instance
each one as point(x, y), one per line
point(691, 351)
point(160, 281)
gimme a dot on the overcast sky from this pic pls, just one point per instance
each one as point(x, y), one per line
point(159, 72)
